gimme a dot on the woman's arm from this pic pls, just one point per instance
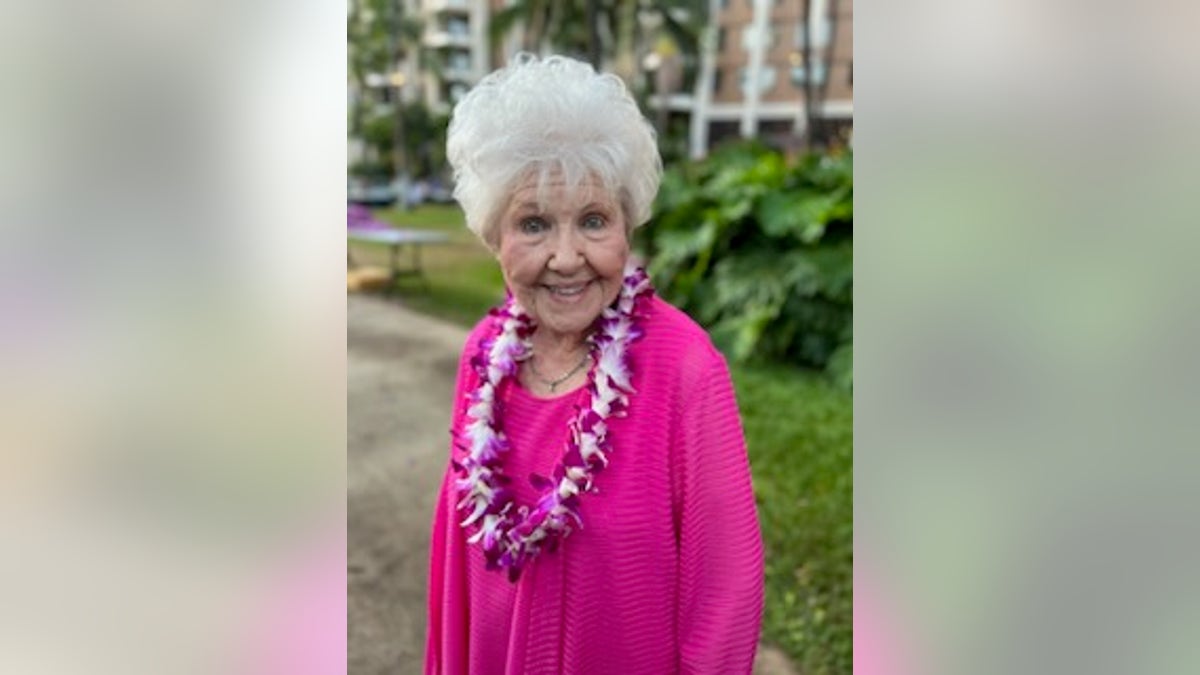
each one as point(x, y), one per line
point(446, 608)
point(720, 545)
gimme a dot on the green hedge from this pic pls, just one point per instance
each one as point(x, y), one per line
point(760, 251)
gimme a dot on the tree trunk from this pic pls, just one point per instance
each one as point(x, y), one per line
point(831, 56)
point(810, 111)
point(394, 53)
point(536, 26)
point(593, 22)
point(625, 49)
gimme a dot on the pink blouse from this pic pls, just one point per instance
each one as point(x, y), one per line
point(666, 574)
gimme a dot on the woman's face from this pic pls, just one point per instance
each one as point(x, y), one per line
point(563, 259)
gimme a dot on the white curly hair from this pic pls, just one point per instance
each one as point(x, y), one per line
point(553, 118)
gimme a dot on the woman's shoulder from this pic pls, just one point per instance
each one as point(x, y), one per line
point(670, 329)
point(675, 351)
point(480, 330)
point(478, 333)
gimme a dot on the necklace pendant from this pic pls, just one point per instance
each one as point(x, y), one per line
point(553, 384)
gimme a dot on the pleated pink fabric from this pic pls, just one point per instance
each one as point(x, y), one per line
point(666, 574)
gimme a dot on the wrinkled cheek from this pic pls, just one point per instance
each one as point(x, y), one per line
point(611, 291)
point(512, 282)
point(527, 296)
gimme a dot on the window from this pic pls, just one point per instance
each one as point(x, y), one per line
point(460, 60)
point(751, 38)
point(720, 131)
point(773, 35)
point(765, 83)
point(800, 74)
point(820, 37)
point(716, 80)
point(721, 37)
point(457, 27)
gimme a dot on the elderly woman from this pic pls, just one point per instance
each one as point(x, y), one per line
point(597, 514)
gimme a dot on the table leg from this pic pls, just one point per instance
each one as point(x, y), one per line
point(418, 269)
point(394, 271)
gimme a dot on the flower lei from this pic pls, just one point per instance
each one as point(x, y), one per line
point(512, 537)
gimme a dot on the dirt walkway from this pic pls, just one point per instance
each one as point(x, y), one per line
point(399, 384)
point(400, 381)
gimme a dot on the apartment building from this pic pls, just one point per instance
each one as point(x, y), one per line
point(750, 80)
point(752, 76)
point(455, 48)
point(452, 55)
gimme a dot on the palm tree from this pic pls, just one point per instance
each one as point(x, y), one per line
point(603, 28)
point(379, 36)
point(817, 130)
point(560, 25)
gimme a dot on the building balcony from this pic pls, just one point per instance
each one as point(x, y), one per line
point(439, 6)
point(457, 73)
point(680, 102)
point(442, 38)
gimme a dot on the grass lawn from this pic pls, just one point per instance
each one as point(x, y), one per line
point(798, 433)
point(799, 436)
point(464, 279)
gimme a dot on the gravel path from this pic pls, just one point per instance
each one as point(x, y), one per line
point(400, 380)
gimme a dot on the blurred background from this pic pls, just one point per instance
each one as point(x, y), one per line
point(174, 389)
point(752, 235)
point(705, 72)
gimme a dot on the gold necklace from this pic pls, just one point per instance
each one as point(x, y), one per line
point(553, 384)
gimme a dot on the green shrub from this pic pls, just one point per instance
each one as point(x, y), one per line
point(371, 168)
point(379, 131)
point(760, 251)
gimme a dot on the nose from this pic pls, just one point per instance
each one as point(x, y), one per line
point(566, 253)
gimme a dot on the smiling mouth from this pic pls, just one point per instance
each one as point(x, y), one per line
point(565, 290)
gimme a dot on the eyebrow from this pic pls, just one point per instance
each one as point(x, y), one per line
point(536, 208)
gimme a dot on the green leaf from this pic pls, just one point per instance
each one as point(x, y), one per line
point(800, 214)
point(738, 337)
point(815, 211)
point(779, 213)
point(733, 209)
point(841, 367)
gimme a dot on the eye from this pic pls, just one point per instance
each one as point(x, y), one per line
point(533, 225)
point(594, 222)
